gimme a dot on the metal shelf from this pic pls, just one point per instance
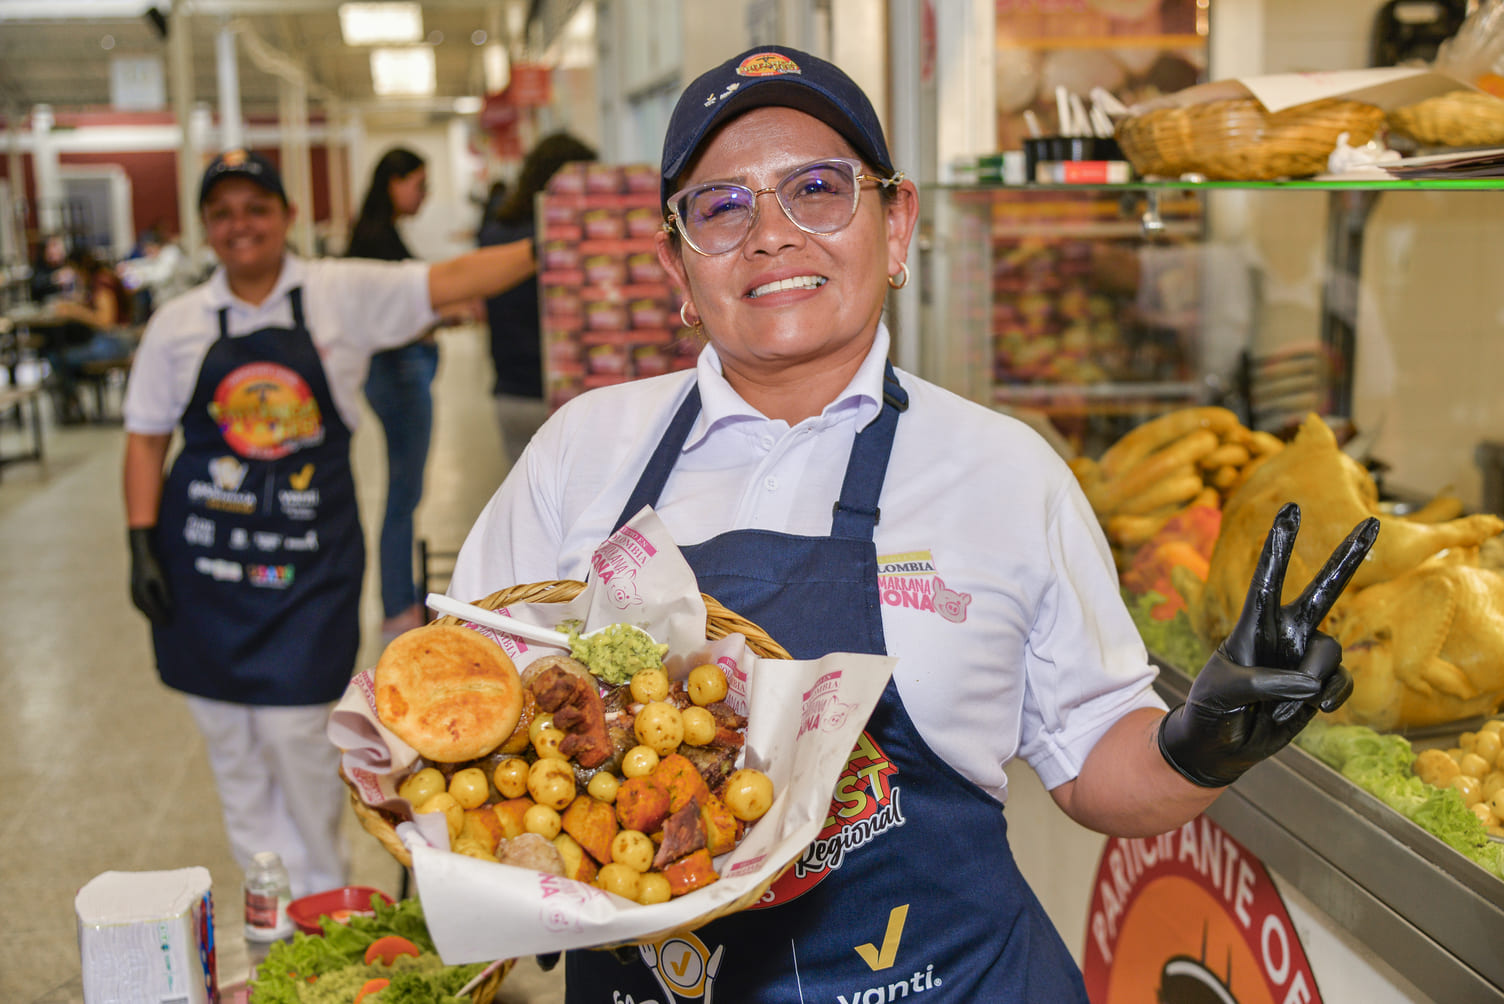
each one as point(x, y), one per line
point(1426, 910)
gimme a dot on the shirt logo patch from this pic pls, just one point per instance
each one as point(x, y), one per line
point(866, 805)
point(266, 411)
point(910, 580)
point(767, 64)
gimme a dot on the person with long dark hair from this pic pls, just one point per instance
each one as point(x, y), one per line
point(398, 386)
point(516, 349)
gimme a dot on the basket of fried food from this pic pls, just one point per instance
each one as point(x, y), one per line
point(1237, 139)
point(621, 778)
point(1459, 118)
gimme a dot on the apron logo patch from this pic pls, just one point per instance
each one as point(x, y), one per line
point(866, 804)
point(240, 538)
point(222, 490)
point(271, 576)
point(301, 480)
point(683, 965)
point(199, 531)
point(910, 580)
point(307, 542)
point(218, 569)
point(265, 411)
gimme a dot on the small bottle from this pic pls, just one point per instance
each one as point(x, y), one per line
point(268, 891)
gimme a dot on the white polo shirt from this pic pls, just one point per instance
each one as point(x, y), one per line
point(353, 308)
point(999, 595)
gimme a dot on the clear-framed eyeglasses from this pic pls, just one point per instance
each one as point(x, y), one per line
point(818, 198)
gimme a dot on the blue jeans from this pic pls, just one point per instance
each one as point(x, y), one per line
point(398, 390)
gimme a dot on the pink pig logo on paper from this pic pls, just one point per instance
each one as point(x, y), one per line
point(823, 709)
point(562, 902)
point(615, 564)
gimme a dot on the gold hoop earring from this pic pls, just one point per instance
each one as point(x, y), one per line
point(684, 318)
point(896, 283)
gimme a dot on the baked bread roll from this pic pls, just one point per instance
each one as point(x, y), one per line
point(448, 692)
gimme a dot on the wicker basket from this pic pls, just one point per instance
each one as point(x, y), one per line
point(719, 622)
point(1237, 140)
point(1458, 118)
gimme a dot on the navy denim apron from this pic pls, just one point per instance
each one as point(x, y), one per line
point(910, 890)
point(258, 528)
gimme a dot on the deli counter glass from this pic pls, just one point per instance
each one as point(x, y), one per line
point(1090, 311)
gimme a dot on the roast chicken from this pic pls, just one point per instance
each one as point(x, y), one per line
point(1421, 624)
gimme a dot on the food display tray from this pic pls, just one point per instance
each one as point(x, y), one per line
point(1425, 909)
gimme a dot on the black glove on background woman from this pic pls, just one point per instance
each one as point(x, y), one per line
point(1266, 681)
point(149, 590)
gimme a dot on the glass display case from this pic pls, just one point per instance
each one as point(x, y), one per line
point(1375, 305)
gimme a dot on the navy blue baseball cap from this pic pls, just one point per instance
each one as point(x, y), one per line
point(771, 75)
point(241, 164)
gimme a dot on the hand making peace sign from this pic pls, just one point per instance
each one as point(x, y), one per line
point(1267, 680)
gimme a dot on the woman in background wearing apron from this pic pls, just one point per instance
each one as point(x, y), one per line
point(248, 557)
point(845, 505)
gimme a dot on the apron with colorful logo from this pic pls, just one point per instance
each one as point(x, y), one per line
point(258, 529)
point(910, 890)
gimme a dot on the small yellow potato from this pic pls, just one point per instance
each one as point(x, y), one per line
point(1474, 765)
point(706, 684)
point(659, 726)
point(633, 849)
point(649, 685)
point(444, 802)
point(1484, 813)
point(510, 777)
point(653, 888)
point(1496, 803)
point(748, 794)
point(470, 787)
point(638, 761)
point(699, 726)
point(1466, 740)
point(1488, 745)
point(1435, 767)
point(1493, 782)
point(602, 786)
point(551, 783)
point(620, 879)
point(417, 788)
point(542, 820)
point(544, 720)
point(1494, 725)
point(547, 743)
point(1470, 787)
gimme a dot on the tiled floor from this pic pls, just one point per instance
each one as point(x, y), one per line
point(101, 767)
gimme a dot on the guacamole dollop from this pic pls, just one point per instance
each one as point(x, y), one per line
point(617, 652)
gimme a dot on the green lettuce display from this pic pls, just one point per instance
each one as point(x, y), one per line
point(1380, 764)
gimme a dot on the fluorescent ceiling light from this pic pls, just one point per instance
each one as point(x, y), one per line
point(407, 71)
point(380, 23)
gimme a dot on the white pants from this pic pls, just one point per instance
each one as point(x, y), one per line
point(279, 787)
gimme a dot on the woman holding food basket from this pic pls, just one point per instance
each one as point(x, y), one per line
point(247, 554)
point(844, 505)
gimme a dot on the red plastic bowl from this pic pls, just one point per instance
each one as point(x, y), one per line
point(337, 903)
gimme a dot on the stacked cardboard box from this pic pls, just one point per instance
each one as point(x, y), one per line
point(609, 313)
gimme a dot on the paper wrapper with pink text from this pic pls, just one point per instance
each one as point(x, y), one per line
point(803, 718)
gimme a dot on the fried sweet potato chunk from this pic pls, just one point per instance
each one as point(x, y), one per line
point(641, 804)
point(719, 826)
point(593, 824)
point(690, 873)
point(681, 779)
point(510, 813)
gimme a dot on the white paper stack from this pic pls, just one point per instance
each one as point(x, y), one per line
point(148, 938)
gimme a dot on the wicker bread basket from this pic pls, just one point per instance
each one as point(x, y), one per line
point(719, 622)
point(1457, 118)
point(1235, 139)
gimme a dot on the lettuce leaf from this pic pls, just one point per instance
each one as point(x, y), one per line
point(1171, 640)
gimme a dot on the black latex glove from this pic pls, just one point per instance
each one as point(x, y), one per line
point(1266, 681)
point(149, 590)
